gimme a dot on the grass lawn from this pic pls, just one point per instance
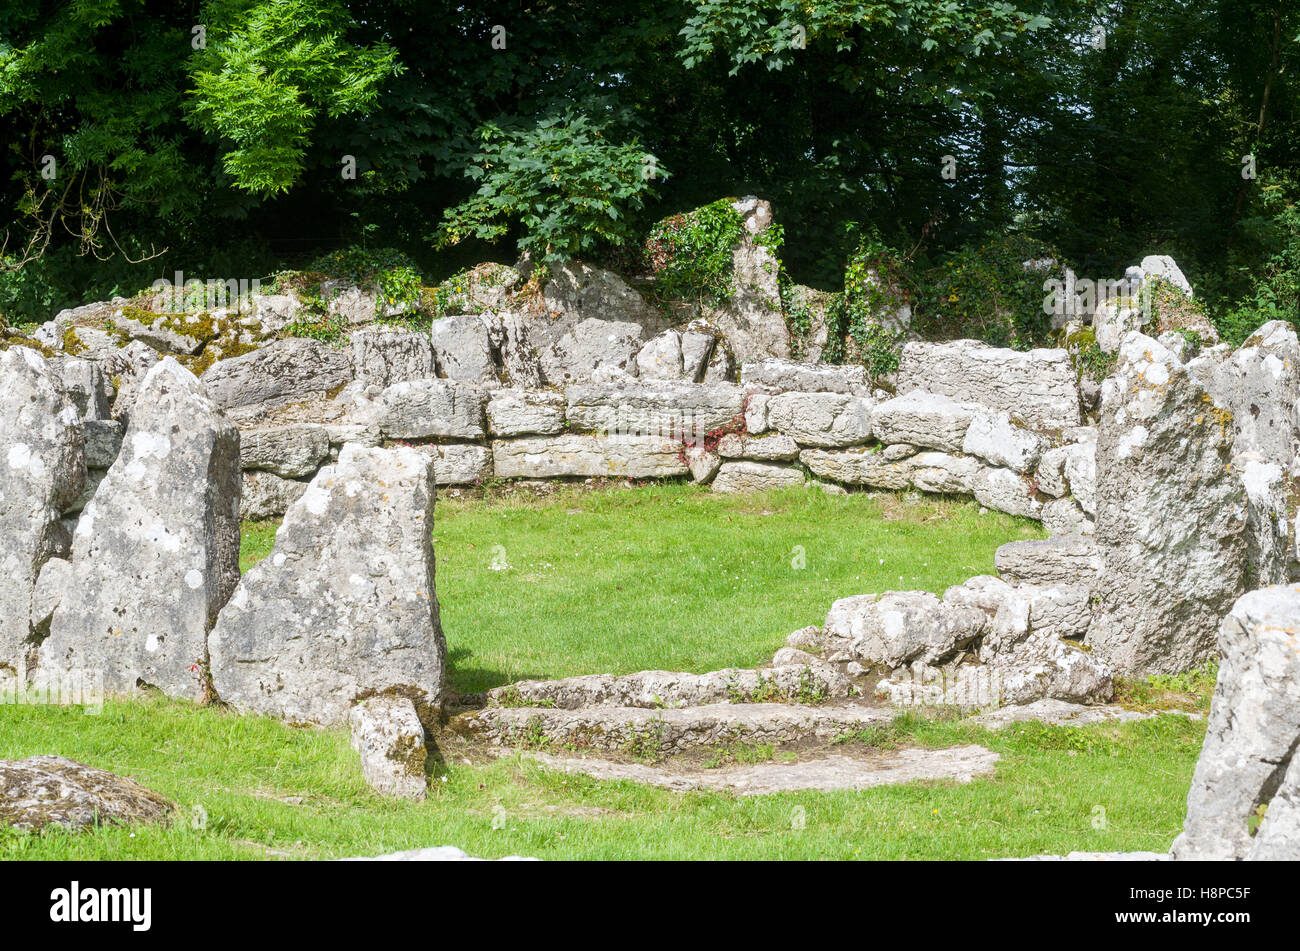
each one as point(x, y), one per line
point(260, 790)
point(617, 580)
point(675, 577)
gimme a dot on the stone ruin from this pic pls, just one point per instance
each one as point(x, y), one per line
point(1166, 500)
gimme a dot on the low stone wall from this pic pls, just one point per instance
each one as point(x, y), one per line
point(1015, 445)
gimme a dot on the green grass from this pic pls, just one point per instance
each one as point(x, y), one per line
point(618, 580)
point(1056, 789)
point(674, 577)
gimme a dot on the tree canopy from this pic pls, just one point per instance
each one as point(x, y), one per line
point(142, 135)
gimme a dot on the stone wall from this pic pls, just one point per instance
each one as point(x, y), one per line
point(1011, 436)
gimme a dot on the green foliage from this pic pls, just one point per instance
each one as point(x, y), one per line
point(270, 71)
point(387, 272)
point(691, 253)
point(569, 188)
point(1275, 285)
point(983, 291)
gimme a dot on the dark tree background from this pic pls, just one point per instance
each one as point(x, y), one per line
point(211, 136)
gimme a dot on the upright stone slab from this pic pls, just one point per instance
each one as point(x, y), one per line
point(1249, 756)
point(752, 319)
point(1260, 385)
point(344, 606)
point(42, 470)
point(156, 552)
point(1171, 516)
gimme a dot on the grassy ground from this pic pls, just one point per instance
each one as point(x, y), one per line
point(251, 788)
point(673, 577)
point(618, 580)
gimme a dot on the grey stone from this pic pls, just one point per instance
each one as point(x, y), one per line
point(1260, 386)
point(513, 346)
point(784, 376)
point(1065, 517)
point(1162, 266)
point(354, 304)
point(459, 463)
point(266, 495)
point(387, 732)
point(582, 291)
point(1061, 559)
point(689, 411)
point(923, 419)
point(1005, 491)
point(661, 358)
point(1172, 516)
point(774, 448)
point(86, 385)
point(704, 464)
point(593, 343)
point(178, 334)
point(698, 342)
point(746, 476)
point(513, 412)
point(899, 627)
point(103, 438)
point(381, 359)
point(995, 438)
point(421, 409)
point(156, 551)
point(43, 791)
point(671, 729)
point(344, 606)
point(285, 371)
point(752, 319)
point(1039, 388)
point(807, 677)
point(546, 457)
point(1252, 737)
point(462, 348)
point(42, 471)
point(822, 419)
point(291, 451)
point(836, 772)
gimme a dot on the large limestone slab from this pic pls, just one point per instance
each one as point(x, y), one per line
point(289, 451)
point(344, 606)
point(923, 419)
point(899, 627)
point(1260, 385)
point(420, 409)
point(655, 408)
point(516, 412)
point(462, 348)
point(1040, 388)
point(381, 358)
point(1172, 516)
point(591, 345)
point(576, 454)
point(42, 471)
point(1249, 756)
point(745, 476)
point(783, 376)
point(822, 419)
point(156, 552)
point(286, 371)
